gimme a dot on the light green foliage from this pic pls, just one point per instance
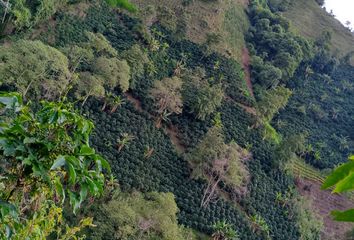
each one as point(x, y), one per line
point(89, 85)
point(166, 94)
point(224, 231)
point(46, 9)
point(99, 45)
point(216, 162)
point(21, 11)
point(45, 158)
point(200, 96)
point(137, 60)
point(78, 55)
point(34, 68)
point(342, 179)
point(115, 72)
point(271, 101)
point(260, 225)
point(125, 4)
point(139, 216)
point(310, 224)
point(21, 14)
point(269, 133)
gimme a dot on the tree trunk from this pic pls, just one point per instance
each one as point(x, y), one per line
point(210, 191)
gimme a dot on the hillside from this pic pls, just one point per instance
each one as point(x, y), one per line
point(174, 120)
point(314, 21)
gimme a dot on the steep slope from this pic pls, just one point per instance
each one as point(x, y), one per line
point(224, 20)
point(310, 20)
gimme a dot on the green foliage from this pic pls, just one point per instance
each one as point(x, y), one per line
point(28, 14)
point(137, 59)
point(138, 216)
point(115, 72)
point(224, 231)
point(200, 96)
point(271, 101)
point(125, 4)
point(35, 69)
point(310, 224)
point(167, 95)
point(167, 18)
point(45, 157)
point(216, 162)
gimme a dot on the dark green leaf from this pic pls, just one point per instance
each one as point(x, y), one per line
point(346, 216)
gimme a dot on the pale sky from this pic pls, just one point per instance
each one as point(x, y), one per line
point(342, 9)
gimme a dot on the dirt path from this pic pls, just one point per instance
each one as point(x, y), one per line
point(246, 67)
point(323, 202)
point(170, 131)
point(248, 109)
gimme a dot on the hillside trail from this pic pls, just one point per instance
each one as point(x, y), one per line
point(246, 60)
point(323, 202)
point(171, 130)
point(248, 109)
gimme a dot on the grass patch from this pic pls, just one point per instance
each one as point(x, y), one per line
point(310, 20)
point(235, 25)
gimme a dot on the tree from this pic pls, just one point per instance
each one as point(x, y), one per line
point(166, 94)
point(99, 45)
point(45, 158)
point(115, 72)
point(89, 85)
point(137, 60)
point(199, 95)
point(271, 101)
point(342, 181)
point(224, 231)
point(216, 162)
point(137, 215)
point(35, 69)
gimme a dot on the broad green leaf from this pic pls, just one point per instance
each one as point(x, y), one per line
point(346, 216)
point(86, 150)
point(83, 193)
point(75, 203)
point(338, 174)
point(8, 232)
point(60, 190)
point(72, 173)
point(346, 184)
point(351, 158)
point(92, 186)
point(59, 162)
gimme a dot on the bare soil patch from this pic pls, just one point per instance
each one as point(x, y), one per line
point(246, 60)
point(323, 202)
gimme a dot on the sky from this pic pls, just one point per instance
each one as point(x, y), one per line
point(342, 9)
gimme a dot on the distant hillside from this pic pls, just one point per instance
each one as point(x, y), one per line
point(310, 20)
point(225, 20)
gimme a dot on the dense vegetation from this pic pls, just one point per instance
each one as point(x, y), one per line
point(193, 150)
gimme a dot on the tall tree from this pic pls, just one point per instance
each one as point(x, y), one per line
point(216, 162)
point(115, 72)
point(166, 94)
point(201, 97)
point(34, 69)
point(271, 101)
